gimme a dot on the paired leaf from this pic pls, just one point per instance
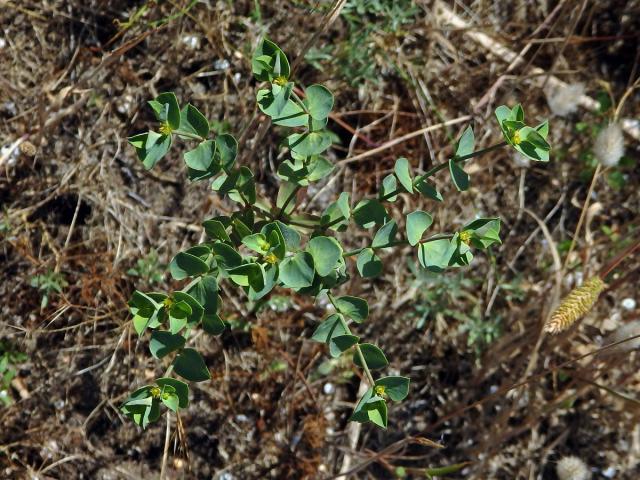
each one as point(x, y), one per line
point(189, 364)
point(417, 223)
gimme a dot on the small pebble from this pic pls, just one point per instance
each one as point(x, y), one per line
point(328, 388)
point(629, 304)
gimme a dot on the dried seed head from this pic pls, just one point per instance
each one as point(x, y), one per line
point(572, 468)
point(609, 145)
point(29, 149)
point(565, 99)
point(579, 302)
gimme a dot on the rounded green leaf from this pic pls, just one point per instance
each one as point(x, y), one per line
point(171, 401)
point(402, 169)
point(341, 343)
point(435, 255)
point(193, 121)
point(309, 143)
point(332, 326)
point(186, 265)
point(428, 190)
point(162, 343)
point(385, 235)
point(397, 388)
point(369, 212)
point(205, 292)
point(181, 389)
point(326, 253)
point(201, 157)
point(171, 109)
point(372, 354)
point(389, 185)
point(355, 308)
point(319, 101)
point(297, 271)
point(458, 175)
point(417, 224)
point(189, 364)
point(226, 150)
point(150, 147)
point(465, 143)
point(213, 324)
point(368, 263)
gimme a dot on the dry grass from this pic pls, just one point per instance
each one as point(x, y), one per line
point(73, 84)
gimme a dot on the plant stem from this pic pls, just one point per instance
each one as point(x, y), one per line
point(350, 253)
point(607, 269)
point(165, 453)
point(437, 168)
point(287, 202)
point(299, 101)
point(365, 367)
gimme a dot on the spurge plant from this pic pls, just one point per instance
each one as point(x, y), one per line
point(267, 243)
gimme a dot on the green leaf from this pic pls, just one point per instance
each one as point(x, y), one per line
point(373, 356)
point(355, 308)
point(247, 274)
point(269, 62)
point(281, 96)
point(171, 107)
point(256, 242)
point(342, 343)
point(186, 265)
point(285, 191)
point(371, 408)
point(402, 169)
point(466, 143)
point(205, 292)
point(297, 271)
point(216, 230)
point(319, 101)
point(428, 190)
point(389, 185)
point(309, 143)
point(291, 114)
point(162, 343)
point(189, 364)
point(332, 326)
point(434, 255)
point(197, 310)
point(226, 150)
point(193, 121)
point(181, 389)
point(291, 237)
point(369, 212)
point(213, 324)
point(150, 147)
point(533, 145)
point(338, 210)
point(201, 157)
point(486, 232)
point(171, 401)
point(543, 129)
point(179, 314)
point(397, 388)
point(319, 168)
point(458, 175)
point(326, 253)
point(368, 263)
point(385, 235)
point(226, 256)
point(417, 224)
